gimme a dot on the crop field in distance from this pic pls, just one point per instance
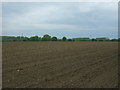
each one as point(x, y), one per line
point(60, 64)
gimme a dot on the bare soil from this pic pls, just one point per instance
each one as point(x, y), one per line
point(60, 65)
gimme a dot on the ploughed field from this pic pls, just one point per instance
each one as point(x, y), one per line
point(60, 65)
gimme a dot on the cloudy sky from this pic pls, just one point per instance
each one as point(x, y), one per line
point(83, 19)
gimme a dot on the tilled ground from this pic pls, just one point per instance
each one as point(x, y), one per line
point(0, 65)
point(60, 65)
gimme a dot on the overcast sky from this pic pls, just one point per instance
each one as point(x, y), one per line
point(61, 19)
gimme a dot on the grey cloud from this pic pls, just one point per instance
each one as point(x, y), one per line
point(41, 18)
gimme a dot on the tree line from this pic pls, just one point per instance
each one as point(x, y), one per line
point(47, 37)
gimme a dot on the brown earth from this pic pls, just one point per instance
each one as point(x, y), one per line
point(60, 65)
point(0, 65)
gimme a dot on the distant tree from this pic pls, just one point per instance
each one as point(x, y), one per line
point(73, 39)
point(94, 39)
point(118, 39)
point(34, 38)
point(40, 39)
point(114, 39)
point(54, 38)
point(46, 38)
point(18, 37)
point(64, 39)
point(70, 40)
point(59, 39)
point(25, 39)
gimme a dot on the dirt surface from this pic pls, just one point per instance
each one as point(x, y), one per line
point(60, 65)
point(0, 65)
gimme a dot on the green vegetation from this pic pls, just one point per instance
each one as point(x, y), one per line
point(47, 37)
point(33, 38)
point(64, 39)
point(54, 39)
